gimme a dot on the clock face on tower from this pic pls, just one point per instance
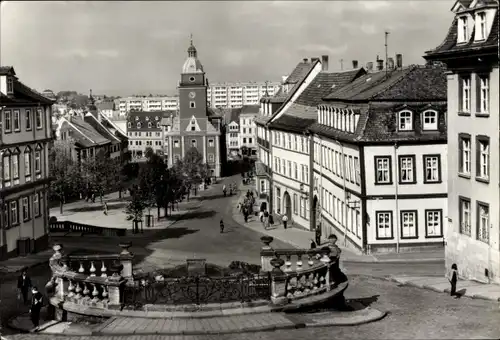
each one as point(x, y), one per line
point(192, 95)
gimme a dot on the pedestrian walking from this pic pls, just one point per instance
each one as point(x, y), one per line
point(221, 226)
point(285, 220)
point(24, 285)
point(453, 278)
point(36, 306)
point(106, 208)
point(224, 190)
point(261, 216)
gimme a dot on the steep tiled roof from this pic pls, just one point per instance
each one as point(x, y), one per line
point(449, 45)
point(89, 131)
point(22, 93)
point(250, 109)
point(415, 88)
point(262, 120)
point(99, 127)
point(144, 117)
point(411, 83)
point(304, 110)
point(7, 70)
point(300, 71)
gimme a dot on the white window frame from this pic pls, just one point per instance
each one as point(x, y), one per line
point(484, 159)
point(16, 120)
point(466, 145)
point(484, 94)
point(480, 26)
point(432, 168)
point(483, 222)
point(383, 166)
point(10, 85)
point(433, 223)
point(430, 120)
point(384, 225)
point(14, 213)
point(463, 29)
point(405, 120)
point(15, 166)
point(8, 121)
point(36, 204)
point(211, 157)
point(26, 209)
point(129, 125)
point(466, 93)
point(210, 142)
point(39, 119)
point(38, 161)
point(465, 216)
point(176, 143)
point(7, 171)
point(27, 163)
point(409, 224)
point(406, 173)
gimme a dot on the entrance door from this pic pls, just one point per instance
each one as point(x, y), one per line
point(287, 205)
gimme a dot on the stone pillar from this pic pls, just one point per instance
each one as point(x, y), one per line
point(126, 258)
point(326, 261)
point(266, 254)
point(278, 283)
point(114, 285)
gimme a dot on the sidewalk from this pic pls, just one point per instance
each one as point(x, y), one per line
point(300, 238)
point(471, 289)
point(231, 324)
point(17, 264)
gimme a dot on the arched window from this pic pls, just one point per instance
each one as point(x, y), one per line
point(149, 125)
point(138, 125)
point(129, 125)
point(405, 120)
point(430, 120)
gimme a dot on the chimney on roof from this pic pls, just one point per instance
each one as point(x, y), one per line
point(305, 60)
point(313, 60)
point(354, 64)
point(390, 64)
point(399, 60)
point(324, 63)
point(369, 66)
point(380, 64)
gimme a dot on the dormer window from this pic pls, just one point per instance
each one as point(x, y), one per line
point(149, 125)
point(405, 121)
point(157, 125)
point(463, 30)
point(10, 85)
point(129, 125)
point(138, 125)
point(136, 118)
point(430, 119)
point(480, 26)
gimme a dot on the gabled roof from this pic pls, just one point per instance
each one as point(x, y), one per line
point(22, 93)
point(411, 83)
point(303, 111)
point(83, 133)
point(7, 71)
point(101, 129)
point(449, 45)
point(144, 117)
point(115, 127)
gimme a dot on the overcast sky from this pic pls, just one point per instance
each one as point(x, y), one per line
point(120, 48)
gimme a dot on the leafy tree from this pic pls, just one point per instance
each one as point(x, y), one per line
point(136, 206)
point(100, 172)
point(192, 168)
point(64, 170)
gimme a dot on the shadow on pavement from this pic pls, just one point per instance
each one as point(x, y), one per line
point(99, 207)
point(211, 197)
point(197, 215)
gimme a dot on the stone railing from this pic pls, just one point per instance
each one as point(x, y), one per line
point(67, 226)
point(78, 280)
point(296, 273)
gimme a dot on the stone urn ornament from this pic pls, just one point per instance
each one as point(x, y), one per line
point(267, 241)
point(277, 264)
point(125, 246)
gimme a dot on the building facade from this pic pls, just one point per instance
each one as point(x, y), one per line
point(248, 130)
point(145, 130)
point(148, 104)
point(195, 125)
point(235, 95)
point(26, 136)
point(470, 52)
point(233, 138)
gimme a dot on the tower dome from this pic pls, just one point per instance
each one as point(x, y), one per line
point(192, 63)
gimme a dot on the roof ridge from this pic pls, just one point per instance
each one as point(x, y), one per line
point(404, 73)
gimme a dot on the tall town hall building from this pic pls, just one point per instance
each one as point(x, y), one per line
point(195, 125)
point(470, 52)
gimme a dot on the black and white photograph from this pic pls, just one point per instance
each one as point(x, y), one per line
point(273, 170)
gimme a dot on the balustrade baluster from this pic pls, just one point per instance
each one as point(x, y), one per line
point(78, 290)
point(299, 262)
point(103, 270)
point(92, 268)
point(288, 263)
point(95, 293)
point(104, 293)
point(81, 269)
point(71, 289)
point(85, 290)
point(310, 261)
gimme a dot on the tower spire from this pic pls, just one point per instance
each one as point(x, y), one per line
point(191, 39)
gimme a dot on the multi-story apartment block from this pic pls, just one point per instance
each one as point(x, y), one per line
point(470, 51)
point(195, 126)
point(291, 144)
point(234, 95)
point(269, 107)
point(147, 104)
point(26, 136)
point(92, 132)
point(248, 129)
point(145, 130)
point(106, 108)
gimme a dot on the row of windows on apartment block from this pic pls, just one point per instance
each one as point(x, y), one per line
point(408, 224)
point(289, 141)
point(11, 166)
point(482, 157)
point(284, 167)
point(12, 120)
point(300, 205)
point(332, 161)
point(482, 93)
point(148, 142)
point(146, 134)
point(407, 169)
point(31, 207)
point(482, 219)
point(210, 158)
point(194, 143)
